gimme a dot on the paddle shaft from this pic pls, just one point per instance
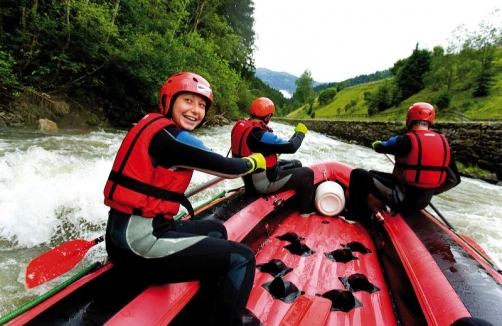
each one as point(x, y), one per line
point(203, 186)
point(99, 239)
point(66, 256)
point(432, 206)
point(451, 228)
point(442, 217)
point(188, 194)
point(492, 264)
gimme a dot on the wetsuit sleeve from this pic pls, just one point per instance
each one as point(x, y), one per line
point(174, 148)
point(268, 143)
point(399, 146)
point(452, 177)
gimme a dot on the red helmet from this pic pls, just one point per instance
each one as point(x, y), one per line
point(183, 82)
point(262, 107)
point(420, 112)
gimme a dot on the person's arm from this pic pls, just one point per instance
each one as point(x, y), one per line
point(399, 146)
point(452, 177)
point(174, 148)
point(267, 143)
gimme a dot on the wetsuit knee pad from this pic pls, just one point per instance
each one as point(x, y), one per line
point(218, 230)
point(242, 266)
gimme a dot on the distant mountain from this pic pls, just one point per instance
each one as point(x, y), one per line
point(285, 82)
point(281, 81)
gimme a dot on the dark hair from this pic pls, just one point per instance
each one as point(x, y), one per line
point(171, 106)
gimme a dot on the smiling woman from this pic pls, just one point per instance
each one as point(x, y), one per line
point(150, 174)
point(189, 110)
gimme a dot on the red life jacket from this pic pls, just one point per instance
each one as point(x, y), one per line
point(426, 164)
point(240, 133)
point(135, 185)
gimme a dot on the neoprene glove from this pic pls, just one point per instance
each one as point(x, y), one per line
point(257, 162)
point(300, 127)
point(376, 142)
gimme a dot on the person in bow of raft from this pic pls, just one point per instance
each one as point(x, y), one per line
point(424, 166)
point(152, 170)
point(253, 135)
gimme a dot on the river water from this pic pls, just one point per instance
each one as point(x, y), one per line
point(51, 191)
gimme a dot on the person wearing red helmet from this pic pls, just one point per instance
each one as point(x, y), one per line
point(253, 135)
point(150, 174)
point(424, 166)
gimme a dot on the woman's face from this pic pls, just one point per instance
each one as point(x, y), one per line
point(189, 110)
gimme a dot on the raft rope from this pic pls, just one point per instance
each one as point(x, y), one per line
point(491, 263)
point(452, 229)
point(207, 202)
point(89, 269)
point(45, 296)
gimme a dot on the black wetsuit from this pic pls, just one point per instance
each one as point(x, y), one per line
point(161, 250)
point(286, 174)
point(386, 188)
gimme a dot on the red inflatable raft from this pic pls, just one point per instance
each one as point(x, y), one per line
point(321, 270)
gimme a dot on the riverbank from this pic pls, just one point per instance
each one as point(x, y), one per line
point(29, 107)
point(476, 145)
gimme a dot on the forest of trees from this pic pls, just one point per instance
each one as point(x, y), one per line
point(467, 63)
point(361, 79)
point(120, 52)
point(470, 62)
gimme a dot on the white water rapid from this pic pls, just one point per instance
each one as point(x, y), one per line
point(51, 191)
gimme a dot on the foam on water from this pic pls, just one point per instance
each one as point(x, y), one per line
point(51, 191)
point(52, 188)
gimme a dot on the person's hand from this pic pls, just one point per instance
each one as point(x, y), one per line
point(300, 127)
point(375, 143)
point(257, 161)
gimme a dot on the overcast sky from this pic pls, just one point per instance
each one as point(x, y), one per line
point(337, 40)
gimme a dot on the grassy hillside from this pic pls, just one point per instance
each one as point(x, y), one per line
point(350, 104)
